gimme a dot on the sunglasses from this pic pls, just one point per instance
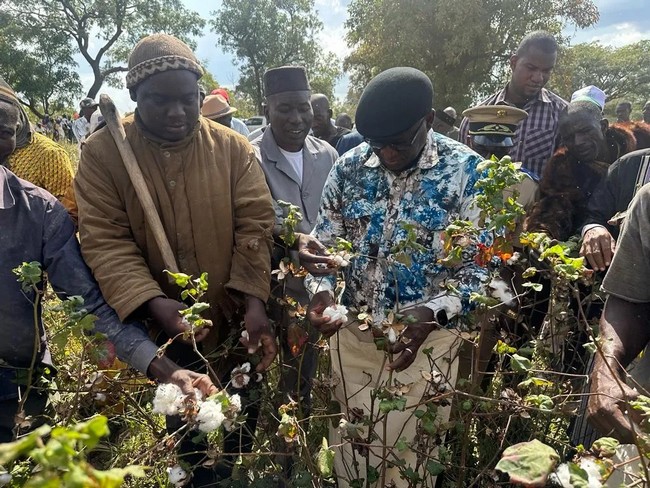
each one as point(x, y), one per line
point(400, 147)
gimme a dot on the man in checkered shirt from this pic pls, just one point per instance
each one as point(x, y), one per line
point(536, 136)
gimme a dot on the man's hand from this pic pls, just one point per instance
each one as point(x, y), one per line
point(259, 333)
point(412, 338)
point(598, 247)
point(313, 256)
point(165, 312)
point(605, 411)
point(319, 302)
point(167, 371)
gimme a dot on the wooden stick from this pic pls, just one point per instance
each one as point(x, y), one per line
point(114, 124)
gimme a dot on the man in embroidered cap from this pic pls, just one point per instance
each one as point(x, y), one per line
point(296, 166)
point(404, 182)
point(214, 205)
point(576, 168)
point(34, 227)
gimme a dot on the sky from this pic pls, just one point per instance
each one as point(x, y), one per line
point(621, 22)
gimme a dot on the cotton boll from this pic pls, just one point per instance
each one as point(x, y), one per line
point(235, 402)
point(177, 475)
point(501, 291)
point(336, 313)
point(514, 259)
point(392, 336)
point(562, 476)
point(168, 399)
point(210, 416)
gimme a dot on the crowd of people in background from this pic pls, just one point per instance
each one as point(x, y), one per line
point(397, 161)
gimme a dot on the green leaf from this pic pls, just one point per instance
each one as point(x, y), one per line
point(528, 463)
point(388, 405)
point(181, 279)
point(21, 447)
point(578, 477)
point(520, 364)
point(401, 444)
point(534, 286)
point(325, 460)
point(435, 468)
point(605, 446)
point(373, 474)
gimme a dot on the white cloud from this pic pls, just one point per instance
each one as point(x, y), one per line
point(333, 39)
point(334, 6)
point(615, 35)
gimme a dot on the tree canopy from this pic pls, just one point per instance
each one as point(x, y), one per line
point(463, 46)
point(268, 33)
point(102, 32)
point(622, 72)
point(45, 76)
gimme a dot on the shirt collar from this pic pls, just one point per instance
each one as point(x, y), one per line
point(428, 159)
point(7, 199)
point(542, 96)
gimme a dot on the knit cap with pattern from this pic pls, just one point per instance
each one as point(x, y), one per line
point(158, 53)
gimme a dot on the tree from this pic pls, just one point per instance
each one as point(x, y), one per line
point(622, 72)
point(46, 78)
point(103, 32)
point(463, 46)
point(263, 34)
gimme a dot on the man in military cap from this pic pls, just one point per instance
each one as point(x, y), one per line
point(404, 178)
point(215, 209)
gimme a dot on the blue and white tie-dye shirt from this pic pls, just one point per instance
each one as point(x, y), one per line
point(368, 205)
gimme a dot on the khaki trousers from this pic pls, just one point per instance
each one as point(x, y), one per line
point(360, 366)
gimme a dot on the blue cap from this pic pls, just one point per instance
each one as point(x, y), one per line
point(591, 94)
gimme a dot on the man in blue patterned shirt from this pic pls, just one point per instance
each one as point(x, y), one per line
point(392, 197)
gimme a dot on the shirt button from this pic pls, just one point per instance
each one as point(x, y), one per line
point(166, 154)
point(172, 183)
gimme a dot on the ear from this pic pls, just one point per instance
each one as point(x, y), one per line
point(330, 113)
point(133, 95)
point(429, 119)
point(265, 108)
point(513, 61)
point(604, 124)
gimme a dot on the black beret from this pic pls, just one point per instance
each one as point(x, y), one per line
point(285, 79)
point(393, 101)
